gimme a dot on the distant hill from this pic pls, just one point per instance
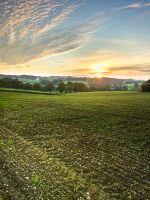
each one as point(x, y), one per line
point(90, 81)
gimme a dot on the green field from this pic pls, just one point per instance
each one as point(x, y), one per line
point(131, 86)
point(92, 146)
point(85, 82)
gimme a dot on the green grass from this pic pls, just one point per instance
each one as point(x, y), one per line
point(131, 87)
point(75, 146)
point(27, 91)
point(85, 82)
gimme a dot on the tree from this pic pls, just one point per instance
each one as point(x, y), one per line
point(69, 86)
point(37, 86)
point(75, 87)
point(61, 86)
point(14, 83)
point(44, 82)
point(82, 87)
point(146, 86)
point(50, 86)
point(2, 83)
point(93, 88)
point(124, 88)
point(136, 84)
point(55, 81)
point(20, 85)
point(27, 86)
point(43, 88)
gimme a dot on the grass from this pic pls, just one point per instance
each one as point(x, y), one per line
point(75, 146)
point(131, 87)
point(85, 82)
point(27, 91)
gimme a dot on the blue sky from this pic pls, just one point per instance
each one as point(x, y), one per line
point(79, 38)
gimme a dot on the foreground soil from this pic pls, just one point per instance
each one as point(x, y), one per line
point(75, 146)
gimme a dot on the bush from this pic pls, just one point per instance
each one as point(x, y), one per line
point(146, 86)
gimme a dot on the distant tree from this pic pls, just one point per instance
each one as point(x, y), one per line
point(44, 82)
point(75, 87)
point(37, 86)
point(61, 86)
point(20, 85)
point(43, 88)
point(55, 81)
point(2, 83)
point(93, 88)
point(123, 88)
point(69, 86)
point(146, 86)
point(14, 83)
point(82, 87)
point(104, 87)
point(27, 86)
point(136, 84)
point(7, 79)
point(117, 87)
point(50, 86)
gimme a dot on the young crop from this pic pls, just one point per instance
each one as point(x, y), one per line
point(75, 146)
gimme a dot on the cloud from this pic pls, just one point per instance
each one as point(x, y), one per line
point(23, 66)
point(145, 70)
point(28, 66)
point(95, 57)
point(32, 30)
point(135, 5)
point(79, 70)
point(129, 69)
point(117, 41)
point(18, 67)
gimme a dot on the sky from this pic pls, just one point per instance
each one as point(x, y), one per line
point(89, 38)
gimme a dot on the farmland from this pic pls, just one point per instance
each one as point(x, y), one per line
point(92, 145)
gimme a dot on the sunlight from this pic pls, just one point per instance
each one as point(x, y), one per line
point(98, 70)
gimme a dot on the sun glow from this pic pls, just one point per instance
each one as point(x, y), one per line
point(99, 68)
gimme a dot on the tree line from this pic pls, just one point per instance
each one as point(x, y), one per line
point(108, 87)
point(68, 87)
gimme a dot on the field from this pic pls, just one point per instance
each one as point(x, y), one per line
point(85, 82)
point(131, 87)
point(93, 146)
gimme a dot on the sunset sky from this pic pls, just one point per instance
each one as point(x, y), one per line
point(109, 38)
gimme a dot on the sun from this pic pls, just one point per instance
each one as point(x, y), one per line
point(99, 68)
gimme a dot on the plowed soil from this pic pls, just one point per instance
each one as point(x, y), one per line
point(75, 146)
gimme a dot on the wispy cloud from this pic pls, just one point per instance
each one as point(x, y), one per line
point(23, 66)
point(135, 5)
point(18, 67)
point(32, 30)
point(129, 69)
point(117, 41)
point(145, 70)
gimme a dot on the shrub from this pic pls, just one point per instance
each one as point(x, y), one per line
point(146, 86)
